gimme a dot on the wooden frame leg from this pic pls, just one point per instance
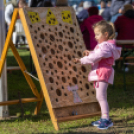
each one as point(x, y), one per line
point(56, 125)
point(39, 104)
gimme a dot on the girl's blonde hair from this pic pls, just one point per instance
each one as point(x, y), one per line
point(105, 26)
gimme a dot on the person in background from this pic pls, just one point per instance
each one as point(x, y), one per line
point(9, 8)
point(79, 8)
point(61, 3)
point(102, 59)
point(22, 4)
point(87, 27)
point(75, 7)
point(82, 15)
point(117, 7)
point(106, 13)
point(103, 6)
point(124, 26)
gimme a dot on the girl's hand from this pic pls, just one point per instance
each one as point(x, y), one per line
point(76, 60)
point(86, 53)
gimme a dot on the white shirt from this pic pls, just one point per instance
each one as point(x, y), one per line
point(8, 13)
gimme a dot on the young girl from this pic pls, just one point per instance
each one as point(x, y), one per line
point(102, 58)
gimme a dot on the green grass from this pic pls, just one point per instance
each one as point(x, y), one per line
point(121, 107)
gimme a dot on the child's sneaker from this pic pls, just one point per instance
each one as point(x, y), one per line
point(96, 123)
point(105, 124)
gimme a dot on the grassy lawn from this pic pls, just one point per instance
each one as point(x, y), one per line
point(121, 107)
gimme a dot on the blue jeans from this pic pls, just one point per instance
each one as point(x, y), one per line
point(114, 17)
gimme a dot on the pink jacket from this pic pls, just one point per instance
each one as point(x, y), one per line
point(102, 58)
point(87, 31)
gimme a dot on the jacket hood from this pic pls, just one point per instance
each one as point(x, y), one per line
point(115, 50)
point(94, 18)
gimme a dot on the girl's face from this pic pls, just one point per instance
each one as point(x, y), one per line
point(99, 36)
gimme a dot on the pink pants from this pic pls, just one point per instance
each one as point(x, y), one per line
point(101, 96)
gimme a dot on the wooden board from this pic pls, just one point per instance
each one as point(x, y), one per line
point(55, 44)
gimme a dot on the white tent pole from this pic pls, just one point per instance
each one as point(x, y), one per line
point(3, 79)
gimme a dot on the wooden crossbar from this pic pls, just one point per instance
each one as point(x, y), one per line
point(23, 100)
point(76, 117)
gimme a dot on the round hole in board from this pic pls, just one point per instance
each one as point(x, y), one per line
point(74, 68)
point(46, 59)
point(42, 36)
point(37, 45)
point(52, 38)
point(65, 68)
point(79, 54)
point(60, 47)
point(83, 69)
point(52, 51)
point(44, 50)
point(51, 80)
point(38, 28)
point(70, 44)
point(35, 31)
point(91, 84)
point(47, 71)
point(65, 94)
point(51, 65)
point(93, 92)
point(81, 89)
point(56, 28)
point(62, 87)
point(87, 86)
point(31, 26)
point(70, 84)
point(87, 94)
point(71, 30)
point(74, 80)
point(44, 64)
point(63, 79)
point(60, 24)
point(58, 92)
point(56, 100)
point(69, 57)
point(35, 37)
point(61, 34)
point(43, 26)
point(52, 88)
point(77, 40)
point(59, 64)
point(40, 55)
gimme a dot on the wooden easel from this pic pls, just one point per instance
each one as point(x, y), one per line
point(38, 97)
point(59, 111)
